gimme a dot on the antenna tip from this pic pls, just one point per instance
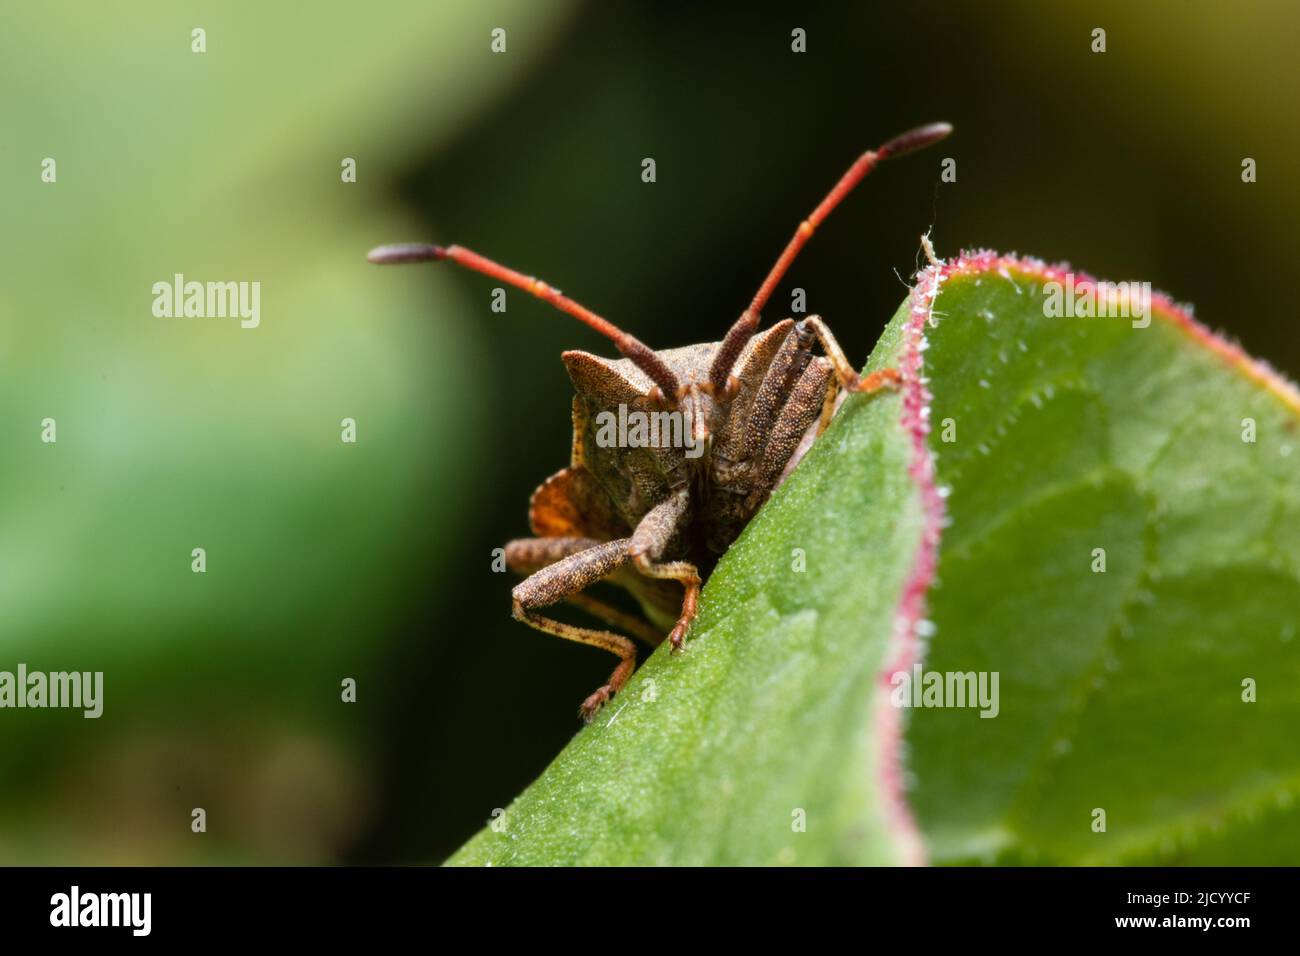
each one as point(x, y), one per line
point(404, 252)
point(914, 139)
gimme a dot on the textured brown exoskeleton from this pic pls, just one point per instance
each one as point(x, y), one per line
point(653, 517)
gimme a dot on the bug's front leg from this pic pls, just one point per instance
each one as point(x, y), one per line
point(561, 581)
point(649, 542)
point(849, 379)
point(529, 555)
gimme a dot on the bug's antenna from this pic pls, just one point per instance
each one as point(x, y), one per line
point(633, 348)
point(745, 326)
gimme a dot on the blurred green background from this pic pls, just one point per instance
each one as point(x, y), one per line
point(328, 560)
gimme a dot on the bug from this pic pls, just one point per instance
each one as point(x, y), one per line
point(654, 516)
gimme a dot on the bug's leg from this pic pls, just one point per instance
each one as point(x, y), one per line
point(649, 541)
point(618, 618)
point(829, 403)
point(560, 581)
point(529, 555)
point(802, 406)
point(849, 378)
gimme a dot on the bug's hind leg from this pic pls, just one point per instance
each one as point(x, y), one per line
point(648, 544)
point(561, 581)
point(529, 555)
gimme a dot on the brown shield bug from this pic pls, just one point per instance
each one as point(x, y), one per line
point(651, 505)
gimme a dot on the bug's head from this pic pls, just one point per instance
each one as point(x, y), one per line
point(608, 384)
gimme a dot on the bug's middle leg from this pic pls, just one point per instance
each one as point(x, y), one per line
point(649, 542)
point(561, 581)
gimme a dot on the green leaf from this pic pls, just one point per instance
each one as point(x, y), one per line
point(774, 738)
point(1120, 691)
